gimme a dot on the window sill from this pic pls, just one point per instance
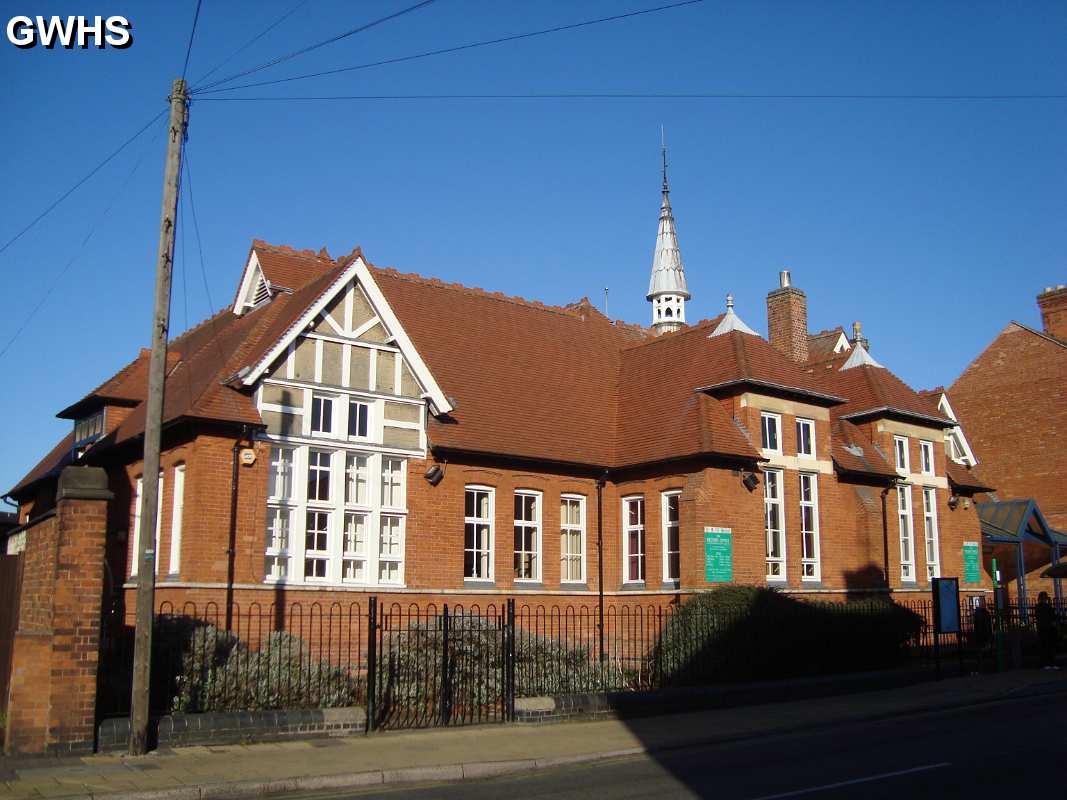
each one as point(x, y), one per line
point(633, 586)
point(479, 583)
point(671, 585)
point(519, 583)
point(574, 586)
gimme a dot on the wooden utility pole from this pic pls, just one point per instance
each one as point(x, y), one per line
point(146, 550)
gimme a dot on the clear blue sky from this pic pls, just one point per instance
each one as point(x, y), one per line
point(932, 222)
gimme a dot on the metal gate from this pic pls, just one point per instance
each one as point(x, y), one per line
point(10, 593)
point(429, 668)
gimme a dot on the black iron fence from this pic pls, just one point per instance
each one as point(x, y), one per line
point(428, 665)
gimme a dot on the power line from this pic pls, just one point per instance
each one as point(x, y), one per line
point(317, 45)
point(459, 48)
point(640, 96)
point(251, 41)
point(192, 33)
point(73, 188)
point(78, 253)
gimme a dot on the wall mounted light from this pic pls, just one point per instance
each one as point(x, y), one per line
point(953, 501)
point(750, 480)
point(434, 475)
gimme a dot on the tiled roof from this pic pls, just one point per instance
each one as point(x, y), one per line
point(550, 383)
point(875, 390)
point(821, 344)
point(966, 478)
point(851, 453)
point(284, 266)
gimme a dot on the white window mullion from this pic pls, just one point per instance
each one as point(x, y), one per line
point(774, 522)
point(907, 535)
point(177, 510)
point(811, 557)
point(933, 545)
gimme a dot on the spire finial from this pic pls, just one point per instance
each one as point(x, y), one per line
point(729, 302)
point(663, 148)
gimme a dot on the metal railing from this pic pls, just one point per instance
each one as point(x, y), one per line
point(428, 665)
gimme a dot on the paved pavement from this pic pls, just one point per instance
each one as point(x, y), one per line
point(958, 753)
point(202, 773)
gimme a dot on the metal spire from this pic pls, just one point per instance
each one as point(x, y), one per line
point(668, 272)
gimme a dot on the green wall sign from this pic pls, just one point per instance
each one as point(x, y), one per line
point(971, 570)
point(718, 555)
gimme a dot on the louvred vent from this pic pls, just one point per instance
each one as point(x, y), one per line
point(262, 292)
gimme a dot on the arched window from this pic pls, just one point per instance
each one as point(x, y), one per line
point(670, 313)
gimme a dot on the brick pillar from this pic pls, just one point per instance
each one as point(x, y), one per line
point(787, 320)
point(52, 698)
point(1053, 305)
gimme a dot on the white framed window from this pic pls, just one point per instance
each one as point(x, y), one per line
point(317, 545)
point(771, 431)
point(810, 565)
point(527, 561)
point(392, 482)
point(319, 475)
point(900, 448)
point(357, 479)
point(774, 524)
point(633, 539)
point(358, 419)
point(278, 557)
point(933, 548)
point(806, 437)
point(391, 549)
point(136, 538)
point(478, 533)
point(571, 538)
point(321, 415)
point(670, 506)
point(907, 534)
point(354, 548)
point(280, 486)
point(926, 457)
point(176, 512)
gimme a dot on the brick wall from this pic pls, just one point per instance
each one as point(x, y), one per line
point(52, 697)
point(1010, 402)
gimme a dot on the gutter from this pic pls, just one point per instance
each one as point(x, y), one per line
point(941, 422)
point(770, 385)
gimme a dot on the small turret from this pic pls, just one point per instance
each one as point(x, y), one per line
point(667, 290)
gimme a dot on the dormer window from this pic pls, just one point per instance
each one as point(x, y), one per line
point(87, 430)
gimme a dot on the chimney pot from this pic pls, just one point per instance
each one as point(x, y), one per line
point(783, 278)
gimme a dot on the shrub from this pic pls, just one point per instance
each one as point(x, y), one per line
point(212, 670)
point(753, 633)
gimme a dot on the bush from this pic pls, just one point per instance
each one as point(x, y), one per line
point(212, 670)
point(742, 633)
point(411, 661)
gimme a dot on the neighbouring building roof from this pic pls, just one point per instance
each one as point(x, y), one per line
point(824, 344)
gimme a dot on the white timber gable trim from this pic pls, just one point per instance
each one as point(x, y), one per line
point(959, 449)
point(253, 286)
point(359, 272)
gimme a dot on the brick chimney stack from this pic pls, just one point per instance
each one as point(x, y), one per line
point(787, 319)
point(1053, 305)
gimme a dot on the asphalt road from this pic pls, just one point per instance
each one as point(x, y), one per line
point(998, 750)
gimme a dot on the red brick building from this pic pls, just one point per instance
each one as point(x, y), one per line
point(1012, 401)
point(346, 429)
